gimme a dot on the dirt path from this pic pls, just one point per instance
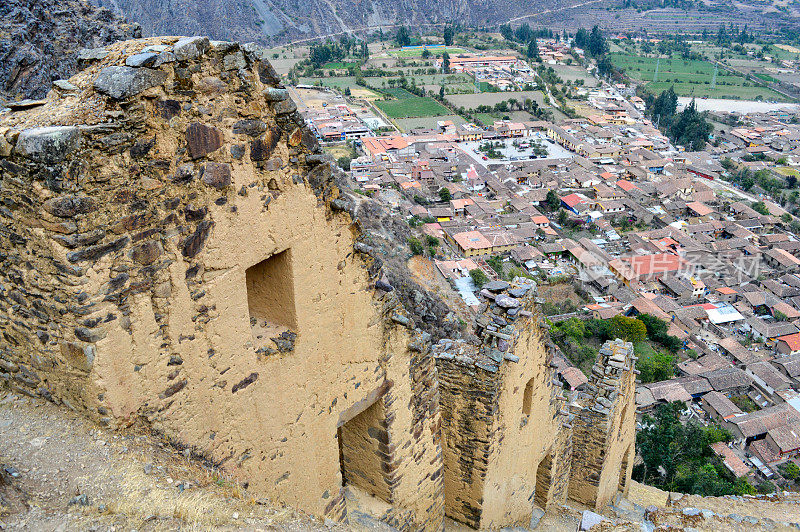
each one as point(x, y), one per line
point(75, 475)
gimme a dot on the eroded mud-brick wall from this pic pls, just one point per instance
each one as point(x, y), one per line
point(604, 428)
point(174, 248)
point(506, 448)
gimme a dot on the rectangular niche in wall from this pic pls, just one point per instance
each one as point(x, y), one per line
point(270, 299)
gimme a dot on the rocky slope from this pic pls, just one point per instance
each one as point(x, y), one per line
point(40, 40)
point(280, 21)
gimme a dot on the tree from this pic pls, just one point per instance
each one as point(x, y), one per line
point(690, 128)
point(347, 91)
point(415, 245)
point(596, 44)
point(441, 92)
point(448, 35)
point(426, 53)
point(760, 207)
point(344, 163)
point(445, 62)
point(655, 326)
point(562, 217)
point(507, 32)
point(677, 457)
point(664, 107)
point(444, 194)
point(533, 49)
point(478, 277)
point(552, 199)
point(402, 37)
point(573, 328)
point(766, 487)
point(605, 67)
point(582, 38)
point(523, 33)
point(656, 367)
point(628, 329)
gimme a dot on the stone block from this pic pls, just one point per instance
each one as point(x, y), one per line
point(123, 82)
point(48, 145)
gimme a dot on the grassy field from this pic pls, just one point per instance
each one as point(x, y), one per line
point(412, 107)
point(690, 78)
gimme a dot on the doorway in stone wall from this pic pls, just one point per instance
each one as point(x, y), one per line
point(364, 458)
point(544, 481)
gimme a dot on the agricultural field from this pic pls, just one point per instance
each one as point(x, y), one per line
point(690, 78)
point(575, 73)
point(471, 101)
point(407, 124)
point(406, 105)
point(339, 65)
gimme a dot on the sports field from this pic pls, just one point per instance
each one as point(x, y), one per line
point(690, 78)
point(406, 105)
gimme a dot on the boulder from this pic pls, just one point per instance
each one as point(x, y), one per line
point(48, 145)
point(190, 48)
point(122, 82)
point(144, 59)
point(92, 54)
point(505, 301)
point(496, 286)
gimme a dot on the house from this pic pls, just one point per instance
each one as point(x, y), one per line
point(646, 267)
point(719, 407)
point(472, 243)
point(768, 379)
point(789, 345)
point(731, 461)
point(789, 365)
point(577, 202)
point(729, 380)
point(768, 332)
point(756, 424)
point(784, 441)
point(782, 260)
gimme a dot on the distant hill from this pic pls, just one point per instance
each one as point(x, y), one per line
point(280, 21)
point(40, 39)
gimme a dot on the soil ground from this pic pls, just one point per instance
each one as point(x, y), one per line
point(75, 475)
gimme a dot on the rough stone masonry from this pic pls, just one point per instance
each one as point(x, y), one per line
point(175, 248)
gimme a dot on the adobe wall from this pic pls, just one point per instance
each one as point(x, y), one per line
point(605, 425)
point(492, 449)
point(128, 234)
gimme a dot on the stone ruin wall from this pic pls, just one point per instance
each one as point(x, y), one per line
point(605, 425)
point(139, 241)
point(176, 249)
point(502, 418)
